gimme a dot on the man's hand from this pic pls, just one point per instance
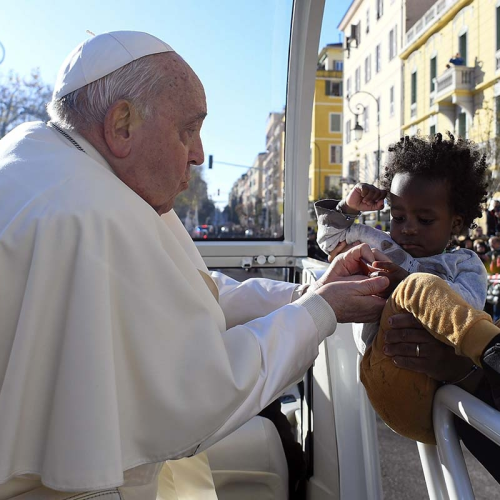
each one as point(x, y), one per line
point(351, 295)
point(435, 359)
point(347, 263)
point(341, 248)
point(366, 197)
point(395, 273)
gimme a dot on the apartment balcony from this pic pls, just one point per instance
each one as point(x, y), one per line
point(455, 86)
point(325, 73)
point(433, 15)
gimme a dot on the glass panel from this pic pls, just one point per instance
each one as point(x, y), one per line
point(498, 27)
point(462, 48)
point(240, 52)
point(241, 196)
point(335, 122)
point(414, 87)
point(462, 125)
point(497, 114)
point(433, 72)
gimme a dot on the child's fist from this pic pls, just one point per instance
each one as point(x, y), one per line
point(366, 197)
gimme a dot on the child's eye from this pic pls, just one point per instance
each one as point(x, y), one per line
point(426, 222)
point(397, 219)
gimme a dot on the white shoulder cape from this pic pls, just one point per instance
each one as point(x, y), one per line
point(108, 331)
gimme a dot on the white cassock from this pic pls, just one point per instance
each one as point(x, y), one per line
point(115, 356)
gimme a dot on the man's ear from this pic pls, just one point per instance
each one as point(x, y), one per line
point(457, 224)
point(119, 124)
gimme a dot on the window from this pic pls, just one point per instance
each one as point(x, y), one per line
point(368, 20)
point(333, 88)
point(348, 84)
point(366, 119)
point(432, 130)
point(497, 114)
point(462, 125)
point(357, 79)
point(338, 65)
point(356, 33)
point(377, 58)
point(498, 27)
point(348, 131)
point(462, 47)
point(368, 68)
point(433, 73)
point(414, 87)
point(380, 8)
point(335, 122)
point(393, 43)
point(353, 170)
point(332, 182)
point(335, 154)
point(391, 101)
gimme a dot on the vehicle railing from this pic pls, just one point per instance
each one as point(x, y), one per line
point(450, 478)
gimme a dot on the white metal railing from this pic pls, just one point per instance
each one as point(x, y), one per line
point(427, 20)
point(497, 60)
point(453, 79)
point(444, 466)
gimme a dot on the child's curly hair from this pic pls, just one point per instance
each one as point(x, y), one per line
point(459, 162)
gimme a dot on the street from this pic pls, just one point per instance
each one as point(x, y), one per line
point(402, 476)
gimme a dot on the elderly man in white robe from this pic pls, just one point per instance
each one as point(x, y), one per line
point(119, 353)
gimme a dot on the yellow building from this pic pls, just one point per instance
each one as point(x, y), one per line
point(325, 170)
point(441, 95)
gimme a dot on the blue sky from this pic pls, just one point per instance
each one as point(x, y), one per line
point(237, 47)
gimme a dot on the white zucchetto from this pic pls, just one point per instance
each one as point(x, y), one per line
point(101, 55)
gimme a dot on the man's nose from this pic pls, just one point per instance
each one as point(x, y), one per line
point(196, 154)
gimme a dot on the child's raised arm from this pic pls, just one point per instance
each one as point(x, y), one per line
point(365, 197)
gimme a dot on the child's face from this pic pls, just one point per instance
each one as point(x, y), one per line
point(422, 222)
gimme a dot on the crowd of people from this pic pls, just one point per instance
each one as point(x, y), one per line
point(486, 244)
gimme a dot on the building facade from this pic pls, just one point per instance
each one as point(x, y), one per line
point(451, 60)
point(373, 32)
point(325, 169)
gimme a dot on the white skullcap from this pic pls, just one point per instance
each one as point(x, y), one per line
point(101, 55)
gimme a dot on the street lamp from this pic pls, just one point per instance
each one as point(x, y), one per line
point(358, 129)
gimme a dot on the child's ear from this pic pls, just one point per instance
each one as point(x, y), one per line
point(457, 224)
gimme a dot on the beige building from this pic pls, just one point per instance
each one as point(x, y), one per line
point(273, 169)
point(373, 33)
point(445, 96)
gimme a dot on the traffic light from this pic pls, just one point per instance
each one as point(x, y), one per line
point(218, 192)
point(210, 161)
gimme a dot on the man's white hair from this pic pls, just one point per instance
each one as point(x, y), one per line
point(138, 82)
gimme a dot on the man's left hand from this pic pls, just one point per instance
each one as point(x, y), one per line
point(413, 348)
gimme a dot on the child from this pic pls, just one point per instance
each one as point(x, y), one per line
point(436, 188)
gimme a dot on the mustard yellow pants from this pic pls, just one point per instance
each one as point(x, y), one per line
point(403, 398)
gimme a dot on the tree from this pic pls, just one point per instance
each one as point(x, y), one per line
point(22, 100)
point(194, 197)
point(487, 124)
